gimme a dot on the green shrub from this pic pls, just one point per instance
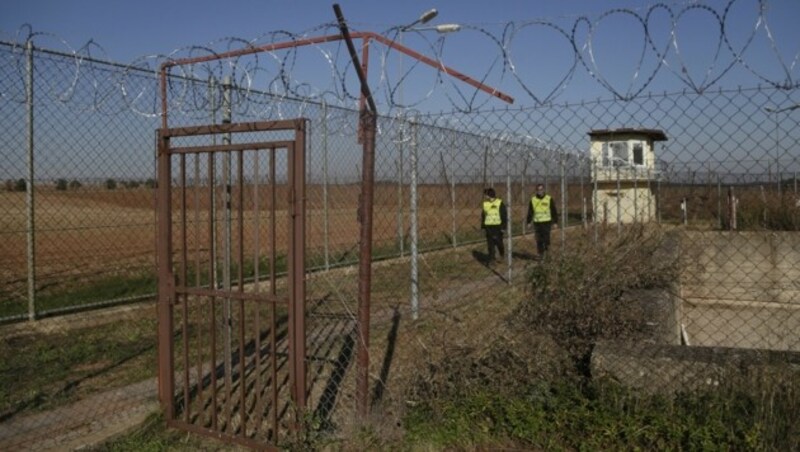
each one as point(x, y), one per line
point(576, 295)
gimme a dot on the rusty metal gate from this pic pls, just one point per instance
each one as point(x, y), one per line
point(231, 258)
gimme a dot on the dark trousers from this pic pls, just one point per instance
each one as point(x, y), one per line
point(494, 239)
point(542, 232)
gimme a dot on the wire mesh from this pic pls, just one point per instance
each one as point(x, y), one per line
point(716, 205)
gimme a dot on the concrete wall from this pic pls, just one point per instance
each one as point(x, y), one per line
point(657, 368)
point(635, 204)
point(741, 289)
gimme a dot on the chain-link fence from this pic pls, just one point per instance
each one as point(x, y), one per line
point(689, 198)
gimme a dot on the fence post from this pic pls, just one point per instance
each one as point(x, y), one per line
point(400, 159)
point(635, 195)
point(719, 202)
point(226, 240)
point(685, 210)
point(649, 196)
point(564, 216)
point(325, 185)
point(524, 189)
point(509, 229)
point(414, 236)
point(619, 204)
point(453, 191)
point(658, 200)
point(595, 204)
point(212, 181)
point(583, 195)
point(29, 198)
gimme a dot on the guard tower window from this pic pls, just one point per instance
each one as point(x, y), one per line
point(638, 154)
point(616, 154)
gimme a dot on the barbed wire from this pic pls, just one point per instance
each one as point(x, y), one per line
point(292, 73)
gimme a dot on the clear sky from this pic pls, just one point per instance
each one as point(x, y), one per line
point(538, 56)
point(129, 29)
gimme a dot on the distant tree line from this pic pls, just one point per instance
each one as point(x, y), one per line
point(19, 185)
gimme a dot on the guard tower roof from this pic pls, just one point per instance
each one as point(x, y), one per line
point(653, 134)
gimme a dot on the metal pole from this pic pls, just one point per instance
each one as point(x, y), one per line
point(777, 154)
point(595, 205)
point(414, 235)
point(635, 195)
point(29, 199)
point(509, 221)
point(212, 211)
point(400, 159)
point(563, 227)
point(367, 124)
point(453, 191)
point(619, 204)
point(227, 237)
point(400, 228)
point(524, 188)
point(719, 202)
point(649, 196)
point(583, 195)
point(325, 184)
point(658, 199)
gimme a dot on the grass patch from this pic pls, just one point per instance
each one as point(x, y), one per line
point(40, 371)
point(73, 295)
point(553, 415)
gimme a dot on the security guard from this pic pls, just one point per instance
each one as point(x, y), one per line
point(542, 212)
point(493, 221)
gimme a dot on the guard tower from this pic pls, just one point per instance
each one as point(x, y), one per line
point(623, 172)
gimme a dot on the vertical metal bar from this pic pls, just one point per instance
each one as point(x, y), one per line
point(184, 298)
point(325, 231)
point(635, 195)
point(240, 268)
point(658, 199)
point(649, 196)
point(777, 154)
point(719, 202)
point(619, 203)
point(29, 192)
point(595, 205)
point(298, 259)
point(165, 282)
point(524, 189)
point(414, 232)
point(226, 246)
point(564, 216)
point(400, 222)
point(484, 180)
point(368, 122)
point(212, 268)
point(453, 194)
point(257, 289)
point(273, 292)
point(509, 208)
point(583, 194)
point(365, 262)
point(197, 281)
point(212, 181)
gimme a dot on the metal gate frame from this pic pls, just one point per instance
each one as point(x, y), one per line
point(172, 295)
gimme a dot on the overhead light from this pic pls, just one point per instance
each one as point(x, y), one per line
point(448, 28)
point(427, 16)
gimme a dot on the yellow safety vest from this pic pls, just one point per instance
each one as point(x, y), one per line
point(541, 209)
point(491, 209)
